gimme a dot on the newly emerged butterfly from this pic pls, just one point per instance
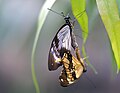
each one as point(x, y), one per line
point(60, 54)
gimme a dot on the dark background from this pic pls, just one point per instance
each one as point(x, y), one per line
point(18, 24)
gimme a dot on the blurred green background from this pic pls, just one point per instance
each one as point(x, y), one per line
point(18, 25)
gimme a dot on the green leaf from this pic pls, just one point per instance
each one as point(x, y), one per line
point(42, 16)
point(78, 6)
point(109, 13)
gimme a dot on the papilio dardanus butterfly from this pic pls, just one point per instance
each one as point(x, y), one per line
point(60, 55)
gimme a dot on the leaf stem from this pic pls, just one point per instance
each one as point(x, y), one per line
point(42, 16)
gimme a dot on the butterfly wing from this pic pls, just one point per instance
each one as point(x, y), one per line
point(71, 71)
point(62, 40)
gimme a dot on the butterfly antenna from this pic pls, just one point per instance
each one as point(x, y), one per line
point(79, 15)
point(61, 14)
point(91, 82)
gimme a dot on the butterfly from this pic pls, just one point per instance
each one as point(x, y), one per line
point(60, 55)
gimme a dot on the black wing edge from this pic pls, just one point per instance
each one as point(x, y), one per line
point(52, 65)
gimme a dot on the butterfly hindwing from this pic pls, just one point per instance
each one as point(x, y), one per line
point(72, 70)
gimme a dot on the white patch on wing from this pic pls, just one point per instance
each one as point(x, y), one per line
point(64, 38)
point(54, 55)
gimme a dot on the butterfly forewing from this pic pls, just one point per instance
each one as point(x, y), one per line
point(62, 40)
